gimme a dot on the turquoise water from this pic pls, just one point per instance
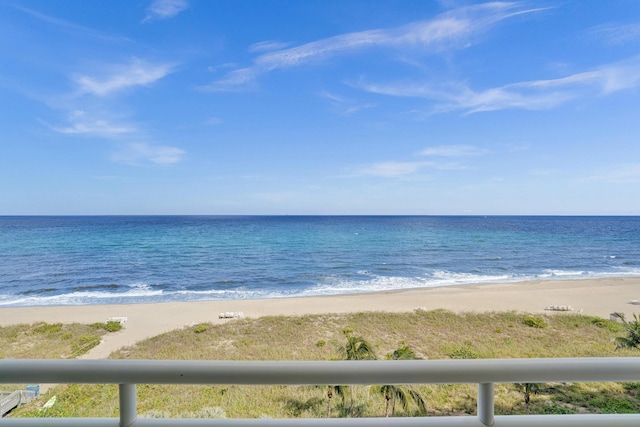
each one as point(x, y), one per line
point(121, 259)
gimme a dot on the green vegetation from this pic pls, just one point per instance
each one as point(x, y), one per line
point(48, 341)
point(534, 322)
point(528, 389)
point(396, 393)
point(51, 341)
point(422, 334)
point(356, 348)
point(200, 328)
point(632, 328)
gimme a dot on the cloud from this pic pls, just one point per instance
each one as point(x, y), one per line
point(456, 28)
point(139, 152)
point(617, 33)
point(346, 106)
point(530, 95)
point(355, 108)
point(164, 9)
point(395, 169)
point(98, 128)
point(391, 169)
point(619, 174)
point(120, 77)
point(82, 123)
point(451, 151)
point(268, 45)
point(70, 26)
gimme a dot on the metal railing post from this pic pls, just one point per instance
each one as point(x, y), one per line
point(486, 404)
point(128, 410)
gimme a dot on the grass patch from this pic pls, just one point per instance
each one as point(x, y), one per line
point(534, 322)
point(435, 334)
point(49, 341)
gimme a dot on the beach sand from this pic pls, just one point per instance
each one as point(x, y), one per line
point(597, 297)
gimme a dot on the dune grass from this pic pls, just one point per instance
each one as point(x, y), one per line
point(50, 341)
point(431, 334)
point(56, 341)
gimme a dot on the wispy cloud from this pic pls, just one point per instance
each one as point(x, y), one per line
point(140, 153)
point(452, 29)
point(93, 113)
point(451, 151)
point(531, 95)
point(164, 9)
point(619, 174)
point(344, 105)
point(120, 77)
point(82, 123)
point(617, 33)
point(267, 46)
point(70, 27)
point(437, 154)
point(391, 169)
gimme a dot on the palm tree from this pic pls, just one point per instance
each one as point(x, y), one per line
point(395, 393)
point(356, 348)
point(527, 390)
point(331, 390)
point(403, 353)
point(632, 340)
point(388, 391)
point(405, 395)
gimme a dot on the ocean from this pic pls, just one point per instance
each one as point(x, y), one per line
point(140, 259)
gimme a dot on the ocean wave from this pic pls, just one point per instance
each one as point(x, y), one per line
point(328, 285)
point(39, 291)
point(562, 273)
point(136, 292)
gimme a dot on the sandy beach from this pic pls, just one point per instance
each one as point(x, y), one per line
point(597, 297)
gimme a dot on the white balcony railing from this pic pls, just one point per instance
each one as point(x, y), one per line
point(128, 373)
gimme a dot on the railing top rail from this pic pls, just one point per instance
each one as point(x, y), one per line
point(615, 369)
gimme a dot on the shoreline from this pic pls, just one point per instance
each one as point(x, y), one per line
point(595, 297)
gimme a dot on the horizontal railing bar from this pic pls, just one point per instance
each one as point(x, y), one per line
point(596, 420)
point(614, 369)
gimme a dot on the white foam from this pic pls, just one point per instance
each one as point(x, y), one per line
point(366, 281)
point(138, 290)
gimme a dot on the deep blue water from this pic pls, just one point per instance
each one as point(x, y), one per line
point(131, 259)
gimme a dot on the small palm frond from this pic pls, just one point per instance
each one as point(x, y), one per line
point(419, 401)
point(632, 340)
point(403, 353)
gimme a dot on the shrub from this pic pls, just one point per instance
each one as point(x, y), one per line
point(464, 351)
point(200, 328)
point(113, 326)
point(606, 324)
point(110, 326)
point(46, 328)
point(534, 322)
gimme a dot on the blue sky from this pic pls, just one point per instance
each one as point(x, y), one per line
point(319, 107)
